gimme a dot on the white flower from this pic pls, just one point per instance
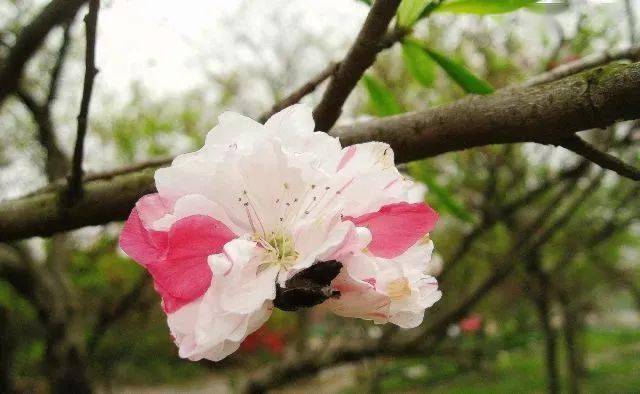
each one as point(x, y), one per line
point(260, 203)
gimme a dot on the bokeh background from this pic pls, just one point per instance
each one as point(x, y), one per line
point(551, 240)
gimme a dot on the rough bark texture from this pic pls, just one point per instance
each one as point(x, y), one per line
point(103, 201)
point(592, 99)
point(545, 113)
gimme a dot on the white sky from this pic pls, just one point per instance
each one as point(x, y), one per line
point(156, 41)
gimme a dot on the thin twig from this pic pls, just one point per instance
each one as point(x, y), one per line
point(56, 163)
point(301, 92)
point(603, 159)
point(91, 23)
point(57, 68)
point(631, 21)
point(630, 53)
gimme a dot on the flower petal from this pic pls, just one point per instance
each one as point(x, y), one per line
point(184, 273)
point(177, 260)
point(151, 208)
point(291, 121)
point(143, 245)
point(396, 227)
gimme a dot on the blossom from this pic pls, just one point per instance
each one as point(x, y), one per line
point(244, 217)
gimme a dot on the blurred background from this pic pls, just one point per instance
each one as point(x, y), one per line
point(540, 249)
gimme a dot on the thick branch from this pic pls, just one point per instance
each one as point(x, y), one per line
point(361, 55)
point(91, 23)
point(595, 98)
point(592, 99)
point(30, 39)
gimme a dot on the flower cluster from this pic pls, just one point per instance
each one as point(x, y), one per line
point(237, 221)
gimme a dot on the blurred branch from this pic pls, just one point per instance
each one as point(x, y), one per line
point(493, 215)
point(91, 23)
point(56, 162)
point(7, 349)
point(597, 59)
point(361, 55)
point(16, 272)
point(57, 67)
point(530, 239)
point(541, 297)
point(30, 39)
point(603, 159)
point(631, 21)
point(113, 312)
point(301, 92)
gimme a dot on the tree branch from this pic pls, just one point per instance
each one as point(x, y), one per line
point(301, 92)
point(91, 23)
point(630, 53)
point(111, 313)
point(603, 159)
point(56, 164)
point(361, 55)
point(57, 67)
point(506, 212)
point(594, 98)
point(631, 21)
point(30, 39)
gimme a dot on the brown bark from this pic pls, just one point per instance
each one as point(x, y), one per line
point(361, 56)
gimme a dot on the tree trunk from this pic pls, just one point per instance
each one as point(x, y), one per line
point(575, 365)
point(66, 359)
point(6, 352)
point(543, 307)
point(541, 291)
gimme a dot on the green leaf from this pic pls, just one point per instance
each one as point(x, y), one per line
point(418, 62)
point(381, 99)
point(367, 2)
point(442, 197)
point(483, 7)
point(463, 77)
point(410, 11)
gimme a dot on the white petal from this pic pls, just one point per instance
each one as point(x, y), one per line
point(235, 130)
point(292, 121)
point(196, 204)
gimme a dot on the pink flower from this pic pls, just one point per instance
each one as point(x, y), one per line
point(471, 323)
point(258, 204)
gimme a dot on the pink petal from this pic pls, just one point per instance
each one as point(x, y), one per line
point(396, 227)
point(144, 246)
point(177, 259)
point(151, 208)
point(351, 151)
point(184, 273)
